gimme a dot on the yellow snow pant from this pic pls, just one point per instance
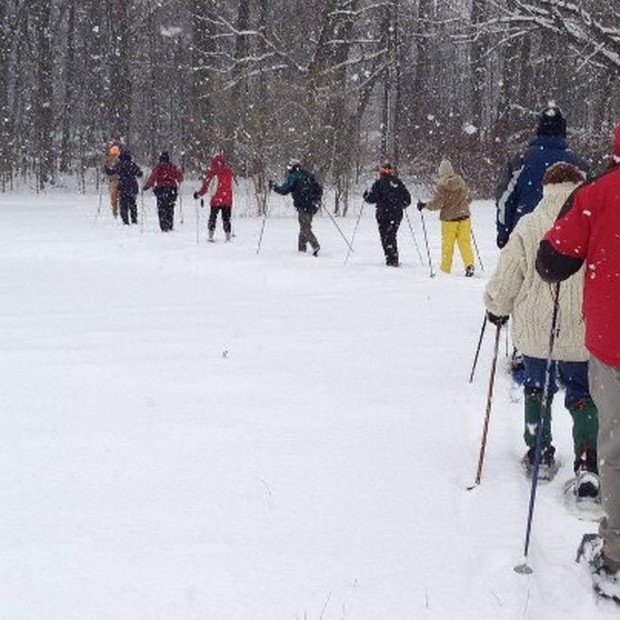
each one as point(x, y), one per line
point(113, 186)
point(459, 232)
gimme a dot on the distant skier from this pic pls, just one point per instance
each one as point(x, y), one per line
point(222, 200)
point(586, 234)
point(516, 289)
point(166, 178)
point(520, 187)
point(452, 199)
point(109, 163)
point(307, 194)
point(391, 197)
point(127, 172)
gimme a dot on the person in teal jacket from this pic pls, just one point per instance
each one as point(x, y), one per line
point(307, 193)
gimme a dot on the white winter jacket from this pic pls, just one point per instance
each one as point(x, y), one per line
point(516, 289)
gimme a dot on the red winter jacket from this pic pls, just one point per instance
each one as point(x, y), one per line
point(588, 229)
point(223, 196)
point(164, 175)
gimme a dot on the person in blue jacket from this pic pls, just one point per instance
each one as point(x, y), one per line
point(520, 186)
point(128, 172)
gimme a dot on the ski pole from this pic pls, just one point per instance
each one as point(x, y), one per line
point(262, 230)
point(477, 250)
point(487, 415)
point(333, 219)
point(99, 203)
point(142, 213)
point(473, 367)
point(428, 251)
point(524, 569)
point(357, 223)
point(415, 241)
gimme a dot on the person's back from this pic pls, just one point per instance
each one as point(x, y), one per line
point(388, 194)
point(520, 188)
point(127, 172)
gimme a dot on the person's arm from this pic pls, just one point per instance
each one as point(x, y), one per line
point(287, 187)
point(506, 198)
point(205, 184)
point(179, 176)
point(405, 195)
point(438, 201)
point(505, 284)
point(371, 197)
point(150, 181)
point(564, 248)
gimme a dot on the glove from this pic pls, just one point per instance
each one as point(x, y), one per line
point(271, 184)
point(421, 205)
point(502, 240)
point(498, 321)
point(196, 195)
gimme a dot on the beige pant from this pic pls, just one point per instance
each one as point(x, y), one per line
point(114, 197)
point(605, 390)
point(305, 231)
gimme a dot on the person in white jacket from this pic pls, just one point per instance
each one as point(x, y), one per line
point(516, 289)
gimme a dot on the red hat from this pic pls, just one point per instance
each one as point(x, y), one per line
point(617, 141)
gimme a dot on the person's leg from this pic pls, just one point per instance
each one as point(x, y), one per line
point(124, 204)
point(574, 376)
point(605, 389)
point(133, 209)
point(226, 212)
point(391, 242)
point(212, 221)
point(114, 197)
point(463, 239)
point(533, 389)
point(170, 200)
point(383, 225)
point(448, 237)
point(161, 212)
point(305, 223)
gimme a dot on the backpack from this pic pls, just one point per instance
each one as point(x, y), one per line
point(310, 189)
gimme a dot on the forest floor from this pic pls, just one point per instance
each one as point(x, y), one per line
point(198, 431)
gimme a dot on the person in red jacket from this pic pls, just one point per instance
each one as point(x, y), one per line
point(166, 178)
point(588, 230)
point(222, 200)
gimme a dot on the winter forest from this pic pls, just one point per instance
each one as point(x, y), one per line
point(339, 83)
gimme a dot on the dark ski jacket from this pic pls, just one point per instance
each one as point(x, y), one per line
point(127, 172)
point(390, 196)
point(520, 187)
point(296, 183)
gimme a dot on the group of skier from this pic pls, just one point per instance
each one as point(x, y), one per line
point(554, 224)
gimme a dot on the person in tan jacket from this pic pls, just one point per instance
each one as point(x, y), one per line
point(452, 199)
point(109, 165)
point(516, 289)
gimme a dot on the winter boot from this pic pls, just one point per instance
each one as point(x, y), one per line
point(469, 271)
point(605, 575)
point(210, 238)
point(316, 250)
point(547, 468)
point(587, 482)
point(228, 237)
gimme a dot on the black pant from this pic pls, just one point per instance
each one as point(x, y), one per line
point(388, 228)
point(166, 198)
point(225, 218)
point(128, 207)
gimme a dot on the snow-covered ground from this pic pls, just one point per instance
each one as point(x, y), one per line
point(200, 432)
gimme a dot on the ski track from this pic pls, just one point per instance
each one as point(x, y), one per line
point(201, 432)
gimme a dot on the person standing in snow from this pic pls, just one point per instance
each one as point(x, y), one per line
point(391, 198)
point(586, 232)
point(307, 194)
point(127, 172)
point(222, 199)
point(452, 199)
point(166, 178)
point(516, 289)
point(520, 187)
point(109, 163)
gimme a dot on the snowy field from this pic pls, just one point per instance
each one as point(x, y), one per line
point(200, 432)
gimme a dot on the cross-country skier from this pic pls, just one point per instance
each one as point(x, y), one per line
point(516, 289)
point(127, 172)
point(391, 198)
point(222, 200)
point(108, 164)
point(307, 194)
point(586, 231)
point(166, 178)
point(452, 199)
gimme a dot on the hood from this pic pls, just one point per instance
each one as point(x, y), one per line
point(445, 169)
point(125, 156)
point(218, 162)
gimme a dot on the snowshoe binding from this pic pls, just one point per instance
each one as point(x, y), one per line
point(548, 467)
point(605, 580)
point(582, 496)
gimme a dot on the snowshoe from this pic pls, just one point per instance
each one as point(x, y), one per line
point(582, 496)
point(315, 251)
point(605, 581)
point(548, 467)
